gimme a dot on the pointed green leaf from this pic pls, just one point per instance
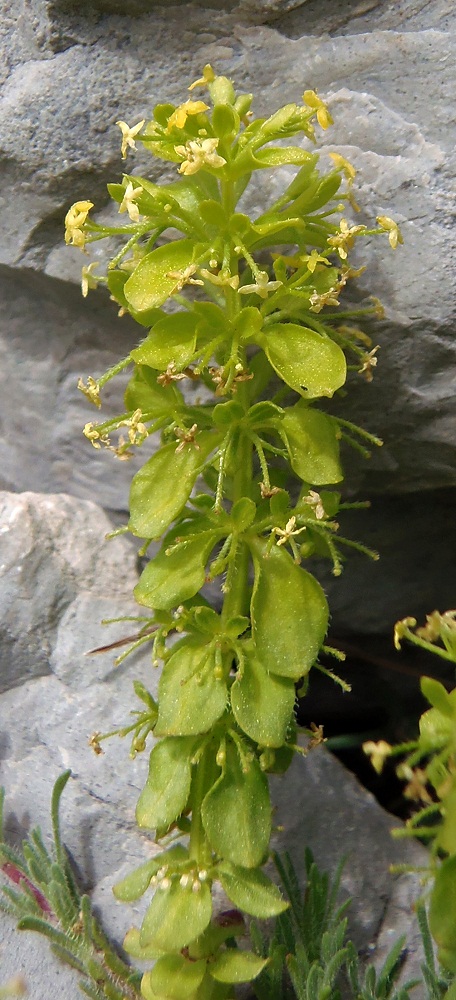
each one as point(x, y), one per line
point(191, 694)
point(132, 946)
point(438, 697)
point(289, 613)
point(251, 891)
point(304, 359)
point(166, 791)
point(173, 976)
point(262, 703)
point(234, 966)
point(313, 446)
point(276, 156)
point(162, 487)
point(171, 341)
point(150, 283)
point(176, 916)
point(170, 579)
point(236, 812)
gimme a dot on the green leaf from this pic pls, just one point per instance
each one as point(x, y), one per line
point(176, 916)
point(234, 966)
point(262, 703)
point(162, 487)
point(150, 285)
point(173, 976)
point(438, 697)
point(279, 156)
point(132, 946)
point(171, 341)
point(191, 694)
point(236, 812)
point(313, 446)
point(251, 891)
point(304, 359)
point(289, 613)
point(143, 392)
point(243, 513)
point(442, 913)
point(135, 884)
point(167, 788)
point(116, 285)
point(446, 833)
point(435, 730)
point(170, 579)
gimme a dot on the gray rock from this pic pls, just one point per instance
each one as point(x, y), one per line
point(46, 722)
point(377, 65)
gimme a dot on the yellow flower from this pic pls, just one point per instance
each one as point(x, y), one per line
point(128, 136)
point(223, 278)
point(342, 164)
point(180, 115)
point(74, 221)
point(199, 153)
point(207, 77)
point(128, 201)
point(313, 101)
point(91, 391)
point(378, 752)
point(345, 238)
point(313, 259)
point(389, 226)
point(402, 629)
point(262, 286)
point(184, 278)
point(314, 500)
point(369, 362)
point(290, 530)
point(87, 278)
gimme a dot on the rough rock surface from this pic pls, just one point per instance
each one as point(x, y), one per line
point(45, 722)
point(387, 70)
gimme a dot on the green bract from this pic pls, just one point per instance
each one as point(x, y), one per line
point(236, 307)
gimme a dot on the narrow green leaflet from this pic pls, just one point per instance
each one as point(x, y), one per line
point(262, 703)
point(167, 788)
point(236, 812)
point(234, 966)
point(191, 694)
point(173, 976)
point(304, 359)
point(313, 446)
point(171, 341)
point(135, 884)
point(176, 916)
point(154, 279)
point(162, 487)
point(251, 891)
point(289, 613)
point(168, 580)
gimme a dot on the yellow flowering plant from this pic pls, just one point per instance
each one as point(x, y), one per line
point(243, 488)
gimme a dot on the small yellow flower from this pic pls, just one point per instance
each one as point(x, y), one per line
point(74, 221)
point(378, 752)
point(87, 278)
point(199, 153)
point(329, 298)
point(223, 278)
point(137, 431)
point(186, 437)
point(180, 115)
point(402, 628)
point(262, 286)
point(290, 530)
point(389, 226)
point(207, 77)
point(345, 238)
point(378, 308)
point(369, 362)
point(91, 391)
point(313, 101)
point(95, 437)
point(314, 500)
point(184, 278)
point(128, 201)
point(313, 259)
point(128, 136)
point(342, 164)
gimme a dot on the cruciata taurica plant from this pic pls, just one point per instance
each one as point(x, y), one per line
point(263, 335)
